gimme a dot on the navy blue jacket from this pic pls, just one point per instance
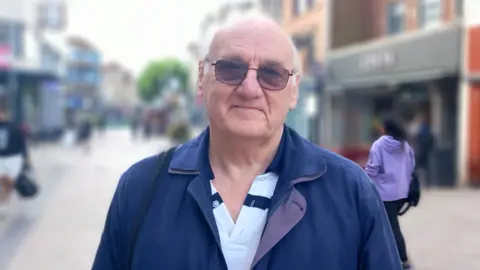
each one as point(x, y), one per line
point(325, 214)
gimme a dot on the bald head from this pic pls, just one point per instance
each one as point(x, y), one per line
point(254, 81)
point(246, 27)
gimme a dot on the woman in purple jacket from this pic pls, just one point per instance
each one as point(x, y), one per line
point(390, 165)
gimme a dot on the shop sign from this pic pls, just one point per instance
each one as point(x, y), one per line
point(377, 61)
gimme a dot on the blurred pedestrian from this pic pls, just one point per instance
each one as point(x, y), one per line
point(148, 126)
point(424, 142)
point(249, 192)
point(84, 134)
point(102, 124)
point(390, 165)
point(134, 127)
point(13, 156)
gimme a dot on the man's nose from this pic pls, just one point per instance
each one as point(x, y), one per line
point(250, 87)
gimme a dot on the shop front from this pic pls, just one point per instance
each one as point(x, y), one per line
point(25, 101)
point(306, 118)
point(408, 75)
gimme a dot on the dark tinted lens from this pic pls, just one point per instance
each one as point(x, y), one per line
point(273, 78)
point(230, 72)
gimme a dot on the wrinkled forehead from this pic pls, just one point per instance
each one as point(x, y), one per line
point(255, 46)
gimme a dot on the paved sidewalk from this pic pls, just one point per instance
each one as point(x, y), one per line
point(65, 222)
point(444, 232)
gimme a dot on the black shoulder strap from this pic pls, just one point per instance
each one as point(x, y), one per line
point(164, 159)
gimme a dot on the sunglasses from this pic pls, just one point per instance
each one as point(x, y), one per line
point(269, 77)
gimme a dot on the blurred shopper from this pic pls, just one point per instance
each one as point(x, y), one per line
point(102, 124)
point(13, 156)
point(249, 192)
point(424, 142)
point(147, 124)
point(390, 166)
point(85, 134)
point(134, 126)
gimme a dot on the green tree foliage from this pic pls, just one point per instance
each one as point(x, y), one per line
point(156, 76)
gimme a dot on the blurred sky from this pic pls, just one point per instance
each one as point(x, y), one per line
point(135, 31)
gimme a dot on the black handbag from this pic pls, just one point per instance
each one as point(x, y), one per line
point(414, 194)
point(25, 185)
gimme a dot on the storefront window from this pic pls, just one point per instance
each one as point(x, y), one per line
point(338, 122)
point(4, 34)
point(12, 34)
point(430, 12)
point(18, 40)
point(395, 17)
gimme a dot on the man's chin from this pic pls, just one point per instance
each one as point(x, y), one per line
point(248, 129)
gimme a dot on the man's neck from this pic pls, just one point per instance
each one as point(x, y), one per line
point(234, 157)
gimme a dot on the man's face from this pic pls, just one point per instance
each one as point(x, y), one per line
point(249, 108)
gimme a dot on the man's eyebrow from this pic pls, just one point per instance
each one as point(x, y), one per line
point(270, 62)
point(265, 62)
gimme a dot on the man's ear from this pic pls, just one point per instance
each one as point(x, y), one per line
point(200, 75)
point(294, 93)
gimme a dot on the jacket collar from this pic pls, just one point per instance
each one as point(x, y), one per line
point(295, 159)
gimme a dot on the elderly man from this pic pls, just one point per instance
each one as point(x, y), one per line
point(248, 193)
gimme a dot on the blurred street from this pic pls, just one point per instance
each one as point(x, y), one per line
point(60, 229)
point(443, 233)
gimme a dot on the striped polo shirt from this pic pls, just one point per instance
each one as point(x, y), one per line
point(239, 240)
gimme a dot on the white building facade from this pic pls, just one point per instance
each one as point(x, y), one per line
point(32, 64)
point(118, 88)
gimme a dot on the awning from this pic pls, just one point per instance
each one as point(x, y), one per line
point(406, 58)
point(27, 75)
